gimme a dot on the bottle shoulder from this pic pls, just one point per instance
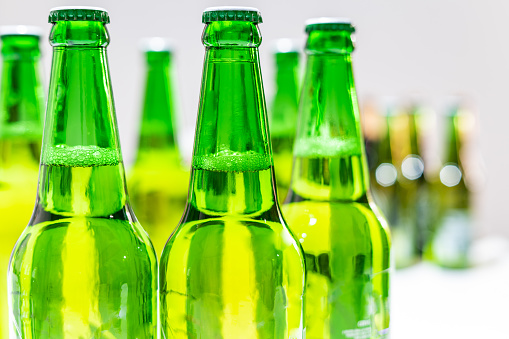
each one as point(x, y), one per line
point(241, 237)
point(269, 226)
point(356, 217)
point(323, 210)
point(91, 235)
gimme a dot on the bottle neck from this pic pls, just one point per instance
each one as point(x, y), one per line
point(329, 154)
point(285, 104)
point(413, 120)
point(453, 141)
point(158, 107)
point(21, 100)
point(81, 164)
point(232, 162)
point(384, 149)
point(22, 95)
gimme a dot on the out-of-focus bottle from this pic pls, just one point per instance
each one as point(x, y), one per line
point(345, 240)
point(83, 267)
point(21, 109)
point(407, 136)
point(394, 193)
point(451, 230)
point(157, 181)
point(373, 129)
point(232, 268)
point(283, 112)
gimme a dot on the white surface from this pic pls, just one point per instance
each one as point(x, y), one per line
point(431, 302)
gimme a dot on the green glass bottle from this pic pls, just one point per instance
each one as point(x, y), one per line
point(393, 192)
point(283, 112)
point(83, 267)
point(21, 108)
point(451, 231)
point(232, 269)
point(413, 170)
point(158, 181)
point(345, 240)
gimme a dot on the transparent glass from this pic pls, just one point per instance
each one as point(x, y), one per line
point(345, 240)
point(83, 267)
point(158, 181)
point(21, 108)
point(232, 269)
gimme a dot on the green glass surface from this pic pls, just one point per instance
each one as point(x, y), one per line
point(407, 135)
point(83, 267)
point(422, 207)
point(345, 240)
point(451, 233)
point(283, 118)
point(232, 269)
point(21, 108)
point(395, 194)
point(158, 181)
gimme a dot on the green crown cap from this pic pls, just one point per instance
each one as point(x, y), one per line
point(78, 13)
point(21, 30)
point(229, 13)
point(329, 24)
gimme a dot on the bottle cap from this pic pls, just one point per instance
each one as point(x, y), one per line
point(389, 106)
point(285, 45)
point(20, 30)
point(78, 13)
point(156, 44)
point(231, 13)
point(329, 24)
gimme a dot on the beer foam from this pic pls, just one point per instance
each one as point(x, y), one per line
point(230, 161)
point(80, 156)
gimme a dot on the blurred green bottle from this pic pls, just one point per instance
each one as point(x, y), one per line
point(391, 191)
point(451, 231)
point(232, 269)
point(283, 112)
point(158, 181)
point(21, 109)
point(373, 128)
point(83, 267)
point(345, 240)
point(414, 169)
point(408, 132)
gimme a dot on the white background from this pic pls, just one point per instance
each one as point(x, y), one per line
point(435, 48)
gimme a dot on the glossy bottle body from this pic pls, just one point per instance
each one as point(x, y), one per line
point(83, 267)
point(232, 269)
point(21, 107)
point(345, 240)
